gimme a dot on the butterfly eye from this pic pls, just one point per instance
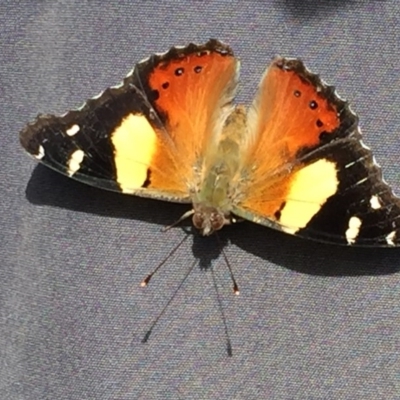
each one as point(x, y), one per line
point(217, 221)
point(198, 220)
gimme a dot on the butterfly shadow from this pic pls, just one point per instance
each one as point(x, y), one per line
point(47, 187)
point(315, 258)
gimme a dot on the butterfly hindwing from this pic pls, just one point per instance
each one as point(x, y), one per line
point(320, 181)
point(144, 136)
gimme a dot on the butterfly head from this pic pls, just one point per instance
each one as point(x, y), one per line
point(209, 219)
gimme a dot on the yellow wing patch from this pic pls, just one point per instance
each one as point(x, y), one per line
point(310, 188)
point(135, 143)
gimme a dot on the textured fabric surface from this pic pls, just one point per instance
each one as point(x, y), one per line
point(312, 321)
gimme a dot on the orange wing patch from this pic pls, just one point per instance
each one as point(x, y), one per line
point(194, 93)
point(186, 95)
point(290, 115)
point(306, 113)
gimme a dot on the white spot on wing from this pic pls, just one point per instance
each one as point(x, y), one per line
point(362, 181)
point(390, 238)
point(364, 146)
point(375, 202)
point(130, 73)
point(338, 96)
point(350, 164)
point(118, 86)
point(355, 162)
point(98, 96)
point(75, 161)
point(40, 153)
point(323, 81)
point(353, 229)
point(82, 106)
point(374, 161)
point(350, 109)
point(73, 130)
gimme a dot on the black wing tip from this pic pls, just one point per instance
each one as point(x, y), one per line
point(27, 136)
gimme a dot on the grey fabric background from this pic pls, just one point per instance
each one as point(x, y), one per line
point(312, 321)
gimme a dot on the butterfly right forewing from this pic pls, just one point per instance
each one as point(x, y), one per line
point(309, 172)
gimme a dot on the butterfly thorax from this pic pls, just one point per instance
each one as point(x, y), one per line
point(212, 201)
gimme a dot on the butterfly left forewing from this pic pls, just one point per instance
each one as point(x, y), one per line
point(193, 89)
point(148, 135)
point(306, 169)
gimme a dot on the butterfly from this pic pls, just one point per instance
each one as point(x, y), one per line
point(293, 160)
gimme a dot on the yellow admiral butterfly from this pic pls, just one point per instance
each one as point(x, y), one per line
point(293, 161)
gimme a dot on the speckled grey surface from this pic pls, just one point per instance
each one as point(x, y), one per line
point(312, 322)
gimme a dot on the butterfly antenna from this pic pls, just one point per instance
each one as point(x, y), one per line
point(221, 309)
point(146, 281)
point(183, 217)
point(155, 322)
point(235, 285)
